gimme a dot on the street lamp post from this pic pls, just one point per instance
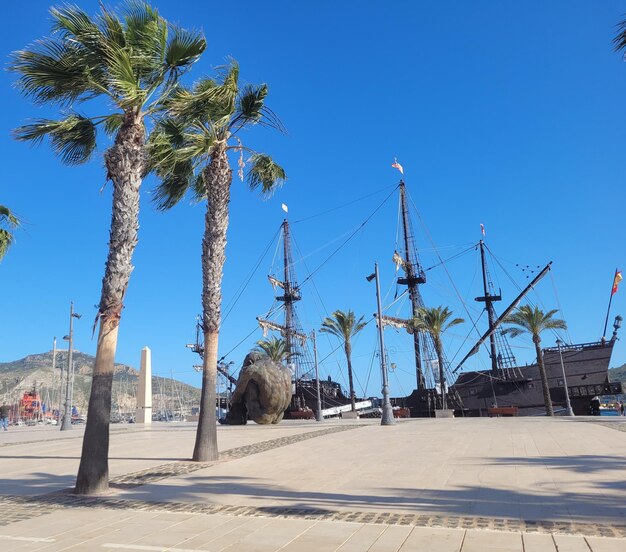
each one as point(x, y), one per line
point(387, 415)
point(569, 410)
point(67, 416)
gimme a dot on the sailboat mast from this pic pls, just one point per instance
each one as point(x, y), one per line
point(488, 299)
point(288, 298)
point(412, 280)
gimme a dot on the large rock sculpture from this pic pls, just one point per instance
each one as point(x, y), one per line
point(263, 392)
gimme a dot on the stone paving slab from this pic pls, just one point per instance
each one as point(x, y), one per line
point(535, 479)
point(89, 530)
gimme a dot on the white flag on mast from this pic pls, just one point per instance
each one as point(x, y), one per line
point(284, 207)
point(397, 165)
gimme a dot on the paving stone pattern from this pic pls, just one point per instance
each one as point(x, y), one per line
point(151, 475)
point(13, 508)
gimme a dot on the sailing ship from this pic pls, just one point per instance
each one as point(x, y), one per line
point(581, 368)
point(309, 393)
point(506, 386)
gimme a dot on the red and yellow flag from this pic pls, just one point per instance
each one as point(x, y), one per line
point(616, 281)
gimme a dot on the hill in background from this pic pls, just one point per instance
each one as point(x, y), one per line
point(36, 371)
point(618, 374)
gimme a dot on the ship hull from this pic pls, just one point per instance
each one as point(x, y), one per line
point(474, 393)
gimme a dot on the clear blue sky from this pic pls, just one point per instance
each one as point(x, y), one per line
point(513, 117)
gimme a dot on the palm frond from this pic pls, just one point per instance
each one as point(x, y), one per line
point(75, 25)
point(534, 321)
point(264, 173)
point(112, 123)
point(7, 218)
point(251, 109)
point(343, 325)
point(146, 34)
point(208, 102)
point(111, 27)
point(274, 348)
point(619, 42)
point(513, 332)
point(183, 49)
point(73, 139)
point(8, 222)
point(6, 240)
point(434, 320)
point(52, 71)
point(173, 187)
point(123, 78)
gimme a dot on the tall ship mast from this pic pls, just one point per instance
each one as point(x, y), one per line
point(429, 391)
point(413, 277)
point(290, 330)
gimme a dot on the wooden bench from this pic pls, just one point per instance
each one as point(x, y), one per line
point(502, 411)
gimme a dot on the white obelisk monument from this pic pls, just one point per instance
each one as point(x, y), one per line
point(144, 392)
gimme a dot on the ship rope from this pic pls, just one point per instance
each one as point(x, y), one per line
point(430, 238)
point(394, 186)
point(442, 262)
point(233, 302)
point(528, 298)
point(354, 233)
point(369, 372)
point(558, 304)
point(339, 374)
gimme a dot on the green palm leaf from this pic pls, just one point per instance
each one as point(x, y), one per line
point(8, 222)
point(73, 139)
point(264, 173)
point(183, 49)
point(53, 71)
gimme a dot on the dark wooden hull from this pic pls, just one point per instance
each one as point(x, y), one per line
point(586, 368)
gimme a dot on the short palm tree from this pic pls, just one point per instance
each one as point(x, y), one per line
point(274, 348)
point(534, 321)
point(189, 152)
point(132, 58)
point(435, 321)
point(345, 326)
point(8, 223)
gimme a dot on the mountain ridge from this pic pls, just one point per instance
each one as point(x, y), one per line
point(36, 371)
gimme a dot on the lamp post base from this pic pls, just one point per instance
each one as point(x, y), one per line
point(387, 417)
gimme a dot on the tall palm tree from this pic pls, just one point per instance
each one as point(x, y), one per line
point(132, 58)
point(8, 223)
point(345, 326)
point(189, 152)
point(435, 321)
point(533, 321)
point(274, 348)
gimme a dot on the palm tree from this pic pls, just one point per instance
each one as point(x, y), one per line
point(274, 348)
point(132, 59)
point(534, 321)
point(435, 321)
point(189, 152)
point(345, 326)
point(8, 223)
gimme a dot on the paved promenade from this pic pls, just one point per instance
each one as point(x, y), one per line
point(526, 484)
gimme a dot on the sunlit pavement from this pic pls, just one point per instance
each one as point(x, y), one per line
point(462, 484)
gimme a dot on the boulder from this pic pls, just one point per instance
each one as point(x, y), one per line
point(263, 392)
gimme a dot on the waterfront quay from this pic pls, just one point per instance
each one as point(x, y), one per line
point(481, 484)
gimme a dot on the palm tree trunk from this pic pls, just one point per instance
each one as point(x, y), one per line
point(544, 377)
point(125, 162)
point(217, 178)
point(442, 377)
point(348, 350)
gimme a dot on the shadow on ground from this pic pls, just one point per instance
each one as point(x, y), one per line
point(461, 501)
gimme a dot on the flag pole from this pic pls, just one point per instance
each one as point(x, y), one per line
point(608, 310)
